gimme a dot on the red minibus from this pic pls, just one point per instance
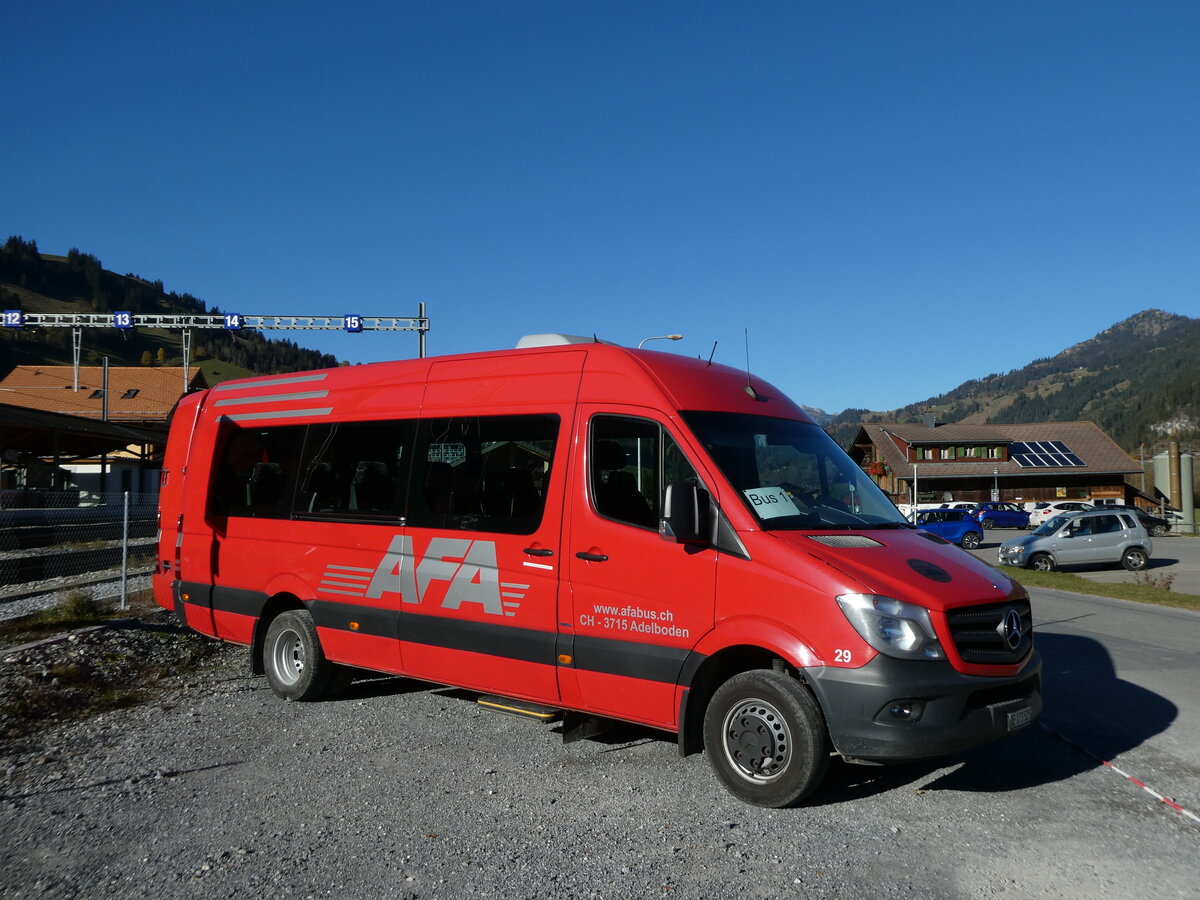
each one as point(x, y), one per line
point(593, 532)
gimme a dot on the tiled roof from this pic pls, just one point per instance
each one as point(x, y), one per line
point(135, 394)
point(1085, 439)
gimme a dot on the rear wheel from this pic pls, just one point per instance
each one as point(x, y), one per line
point(766, 739)
point(295, 664)
point(1158, 531)
point(1042, 563)
point(989, 524)
point(970, 540)
point(1134, 559)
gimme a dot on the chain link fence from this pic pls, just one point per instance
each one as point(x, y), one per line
point(53, 541)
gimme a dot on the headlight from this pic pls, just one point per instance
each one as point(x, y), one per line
point(891, 626)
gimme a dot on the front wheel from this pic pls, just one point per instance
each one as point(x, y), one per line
point(1134, 559)
point(766, 739)
point(295, 664)
point(970, 541)
point(1042, 563)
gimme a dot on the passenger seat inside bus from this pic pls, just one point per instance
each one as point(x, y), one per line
point(373, 488)
point(617, 495)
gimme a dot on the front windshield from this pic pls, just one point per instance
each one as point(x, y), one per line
point(1052, 525)
point(792, 475)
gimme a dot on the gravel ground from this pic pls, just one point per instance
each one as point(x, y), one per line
point(212, 787)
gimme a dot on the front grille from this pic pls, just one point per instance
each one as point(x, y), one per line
point(979, 635)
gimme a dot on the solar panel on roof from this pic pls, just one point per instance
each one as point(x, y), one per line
point(1043, 454)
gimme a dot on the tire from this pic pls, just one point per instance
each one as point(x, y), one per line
point(1042, 562)
point(1158, 531)
point(766, 738)
point(295, 664)
point(988, 524)
point(1134, 559)
point(970, 541)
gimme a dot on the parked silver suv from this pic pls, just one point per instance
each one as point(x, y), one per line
point(1095, 536)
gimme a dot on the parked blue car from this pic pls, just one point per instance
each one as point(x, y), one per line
point(1000, 515)
point(953, 525)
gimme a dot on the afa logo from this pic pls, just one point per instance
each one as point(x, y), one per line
point(466, 567)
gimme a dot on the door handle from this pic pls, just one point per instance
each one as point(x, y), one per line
point(538, 551)
point(591, 557)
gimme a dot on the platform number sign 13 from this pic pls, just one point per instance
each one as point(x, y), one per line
point(353, 324)
point(14, 318)
point(122, 320)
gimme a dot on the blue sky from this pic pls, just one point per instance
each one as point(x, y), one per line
point(890, 197)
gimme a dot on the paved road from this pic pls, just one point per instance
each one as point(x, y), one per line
point(1122, 680)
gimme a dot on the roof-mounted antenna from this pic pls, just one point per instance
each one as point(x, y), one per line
point(714, 353)
point(749, 388)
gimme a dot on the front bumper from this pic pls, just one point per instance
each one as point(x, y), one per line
point(893, 710)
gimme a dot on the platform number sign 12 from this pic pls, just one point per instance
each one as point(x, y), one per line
point(14, 318)
point(352, 324)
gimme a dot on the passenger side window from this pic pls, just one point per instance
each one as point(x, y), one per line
point(631, 462)
point(354, 470)
point(483, 473)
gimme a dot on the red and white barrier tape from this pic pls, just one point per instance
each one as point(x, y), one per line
point(1104, 762)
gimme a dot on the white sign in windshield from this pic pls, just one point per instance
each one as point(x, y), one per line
point(771, 502)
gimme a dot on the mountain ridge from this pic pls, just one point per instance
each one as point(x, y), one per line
point(1139, 380)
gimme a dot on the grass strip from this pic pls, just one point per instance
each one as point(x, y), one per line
point(1149, 592)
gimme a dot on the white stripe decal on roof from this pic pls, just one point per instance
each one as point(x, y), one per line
point(280, 414)
point(272, 398)
point(266, 382)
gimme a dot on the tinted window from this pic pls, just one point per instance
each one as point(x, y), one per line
point(482, 473)
point(256, 472)
point(354, 470)
point(631, 462)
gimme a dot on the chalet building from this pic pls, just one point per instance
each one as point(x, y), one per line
point(58, 432)
point(1019, 463)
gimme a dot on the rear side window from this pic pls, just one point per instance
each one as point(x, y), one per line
point(482, 473)
point(1127, 521)
point(256, 472)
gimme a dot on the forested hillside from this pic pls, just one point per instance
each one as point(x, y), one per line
point(78, 283)
point(1139, 381)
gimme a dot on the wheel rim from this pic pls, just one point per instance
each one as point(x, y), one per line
point(288, 656)
point(988, 523)
point(1042, 564)
point(971, 541)
point(1136, 559)
point(757, 741)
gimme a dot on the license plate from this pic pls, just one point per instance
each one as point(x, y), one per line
point(1020, 718)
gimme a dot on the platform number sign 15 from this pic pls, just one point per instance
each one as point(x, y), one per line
point(233, 321)
point(122, 320)
point(14, 318)
point(352, 324)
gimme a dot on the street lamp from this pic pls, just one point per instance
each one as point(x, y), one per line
point(662, 337)
point(995, 484)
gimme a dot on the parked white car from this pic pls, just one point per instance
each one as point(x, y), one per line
point(1044, 512)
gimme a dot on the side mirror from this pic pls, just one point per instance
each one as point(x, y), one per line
point(685, 518)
